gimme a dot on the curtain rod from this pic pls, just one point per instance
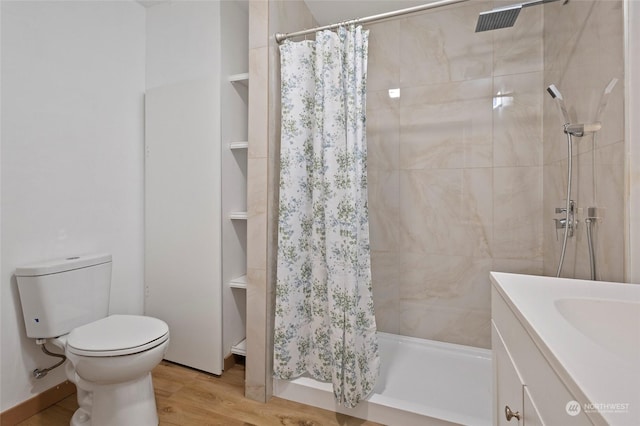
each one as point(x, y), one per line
point(280, 37)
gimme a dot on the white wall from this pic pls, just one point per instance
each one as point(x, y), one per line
point(183, 41)
point(632, 74)
point(73, 78)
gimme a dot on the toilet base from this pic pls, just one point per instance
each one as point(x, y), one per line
point(129, 403)
point(80, 418)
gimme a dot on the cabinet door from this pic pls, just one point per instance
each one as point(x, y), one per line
point(507, 384)
point(182, 220)
point(531, 415)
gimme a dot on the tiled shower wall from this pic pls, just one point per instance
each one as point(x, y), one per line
point(455, 167)
point(456, 164)
point(583, 51)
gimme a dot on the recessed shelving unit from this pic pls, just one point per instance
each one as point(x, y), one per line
point(240, 282)
point(239, 145)
point(242, 78)
point(238, 215)
point(233, 145)
point(235, 152)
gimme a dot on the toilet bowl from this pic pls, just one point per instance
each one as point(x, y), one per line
point(110, 361)
point(109, 358)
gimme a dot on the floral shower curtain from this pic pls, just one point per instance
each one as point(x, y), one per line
point(324, 319)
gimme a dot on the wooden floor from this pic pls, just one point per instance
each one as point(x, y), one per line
point(188, 397)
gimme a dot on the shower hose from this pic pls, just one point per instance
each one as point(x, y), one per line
point(568, 203)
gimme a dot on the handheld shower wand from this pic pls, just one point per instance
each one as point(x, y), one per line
point(555, 94)
point(580, 129)
point(568, 222)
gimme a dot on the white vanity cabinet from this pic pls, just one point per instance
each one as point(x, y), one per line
point(523, 379)
point(514, 403)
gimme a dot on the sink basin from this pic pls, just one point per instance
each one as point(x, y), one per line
point(611, 324)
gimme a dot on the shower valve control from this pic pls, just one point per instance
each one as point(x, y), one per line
point(569, 221)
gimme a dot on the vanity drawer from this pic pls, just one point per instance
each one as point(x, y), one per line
point(546, 390)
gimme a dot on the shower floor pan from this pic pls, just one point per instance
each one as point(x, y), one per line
point(422, 382)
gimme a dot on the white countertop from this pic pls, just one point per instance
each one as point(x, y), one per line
point(588, 355)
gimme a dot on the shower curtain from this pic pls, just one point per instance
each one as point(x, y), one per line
point(324, 319)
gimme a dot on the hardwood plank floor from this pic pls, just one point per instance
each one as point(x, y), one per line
point(187, 397)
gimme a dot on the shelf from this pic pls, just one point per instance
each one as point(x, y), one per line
point(239, 145)
point(242, 79)
point(240, 282)
point(240, 348)
point(238, 216)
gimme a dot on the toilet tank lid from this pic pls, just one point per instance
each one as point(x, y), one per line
point(62, 265)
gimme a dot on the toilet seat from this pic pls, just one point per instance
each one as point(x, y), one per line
point(117, 335)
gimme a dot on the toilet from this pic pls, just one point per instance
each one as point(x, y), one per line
point(110, 357)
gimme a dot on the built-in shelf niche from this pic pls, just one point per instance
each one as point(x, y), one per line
point(240, 282)
point(240, 348)
point(242, 79)
point(239, 145)
point(236, 152)
point(238, 215)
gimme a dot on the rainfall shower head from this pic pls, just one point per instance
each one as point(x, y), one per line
point(504, 17)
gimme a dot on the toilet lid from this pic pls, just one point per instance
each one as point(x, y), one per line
point(117, 335)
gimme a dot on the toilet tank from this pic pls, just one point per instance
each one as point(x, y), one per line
point(60, 295)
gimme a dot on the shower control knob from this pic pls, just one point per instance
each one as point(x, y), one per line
point(510, 414)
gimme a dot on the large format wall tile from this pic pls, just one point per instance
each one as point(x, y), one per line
point(460, 326)
point(609, 170)
point(430, 216)
point(517, 232)
point(447, 135)
point(518, 49)
point(518, 266)
point(441, 46)
point(517, 120)
point(386, 274)
point(442, 93)
point(448, 281)
point(384, 209)
point(383, 133)
point(383, 69)
point(446, 211)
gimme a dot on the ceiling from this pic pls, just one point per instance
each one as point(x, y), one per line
point(149, 3)
point(332, 11)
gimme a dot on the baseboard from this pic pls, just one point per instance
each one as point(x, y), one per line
point(36, 404)
point(231, 360)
